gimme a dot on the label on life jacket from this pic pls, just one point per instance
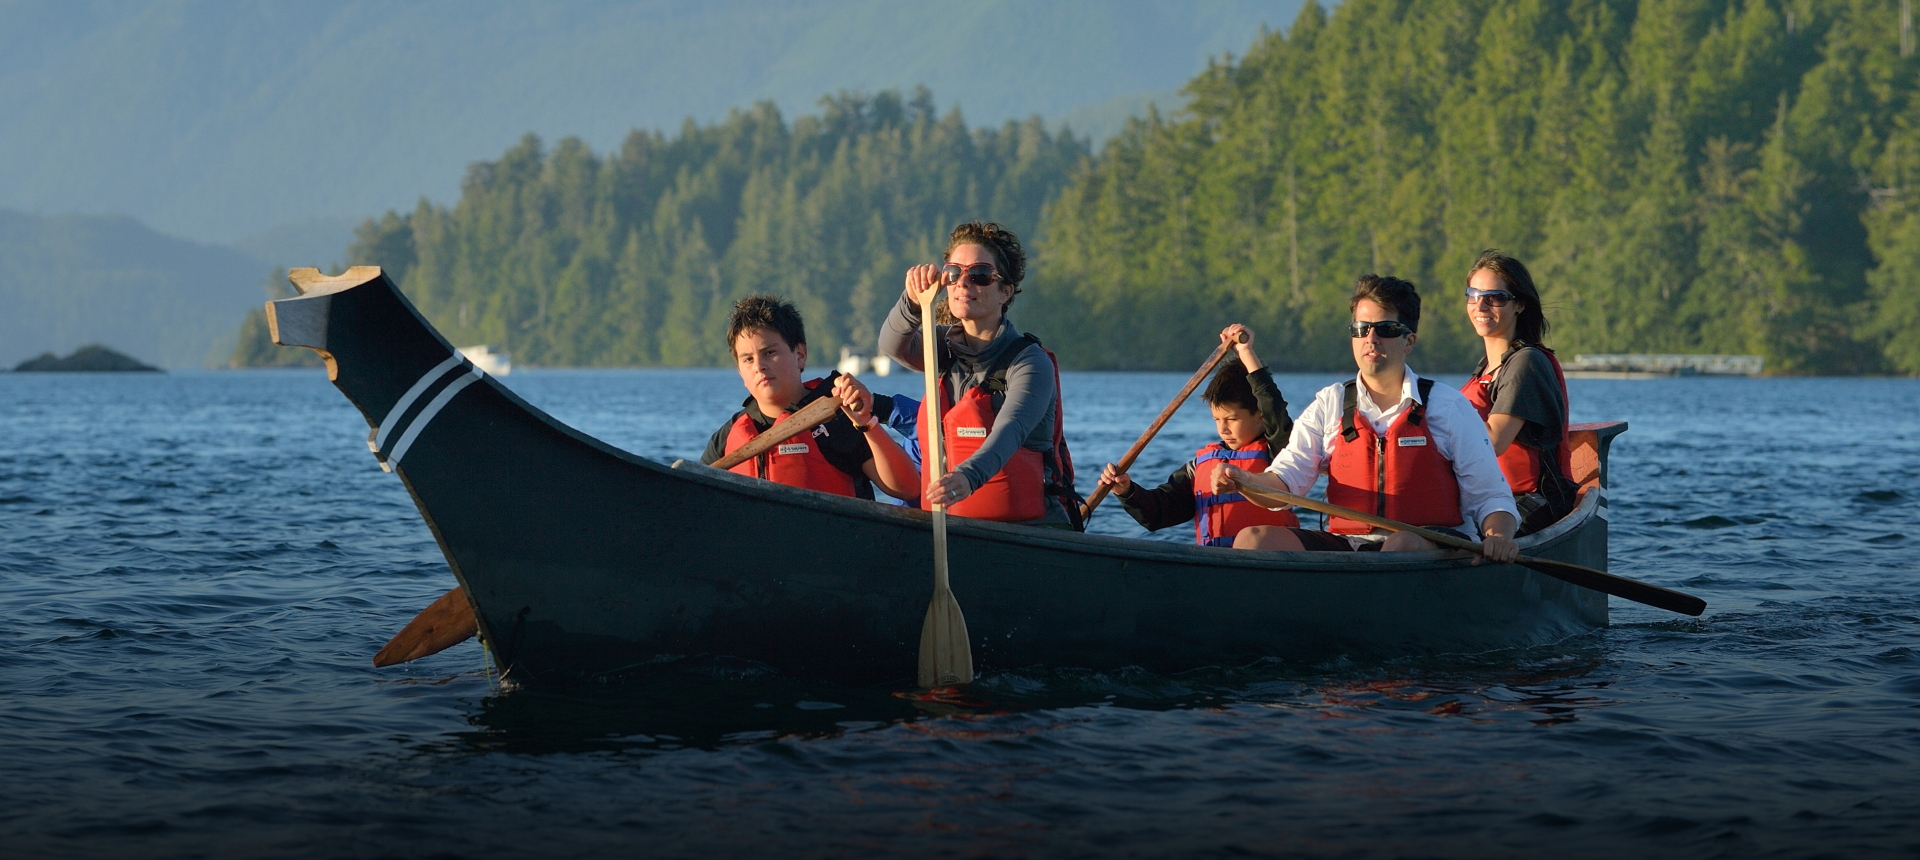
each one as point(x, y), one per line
point(970, 432)
point(793, 448)
point(1409, 441)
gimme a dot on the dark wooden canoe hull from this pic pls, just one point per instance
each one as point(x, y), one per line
point(583, 559)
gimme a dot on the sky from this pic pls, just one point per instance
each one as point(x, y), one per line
point(260, 124)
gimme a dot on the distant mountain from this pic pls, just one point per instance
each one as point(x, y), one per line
point(278, 122)
point(69, 280)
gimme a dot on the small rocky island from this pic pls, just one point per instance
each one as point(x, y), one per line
point(92, 358)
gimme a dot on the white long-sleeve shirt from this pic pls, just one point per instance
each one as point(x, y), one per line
point(1456, 429)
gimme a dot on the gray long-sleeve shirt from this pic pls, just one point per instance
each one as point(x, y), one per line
point(1024, 413)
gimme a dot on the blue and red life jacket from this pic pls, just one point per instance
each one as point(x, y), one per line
point(1218, 518)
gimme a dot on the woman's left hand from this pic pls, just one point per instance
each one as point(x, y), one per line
point(948, 490)
point(855, 398)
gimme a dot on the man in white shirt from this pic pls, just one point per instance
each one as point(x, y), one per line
point(1392, 444)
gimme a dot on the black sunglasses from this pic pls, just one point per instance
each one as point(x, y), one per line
point(1499, 298)
point(1388, 329)
point(978, 274)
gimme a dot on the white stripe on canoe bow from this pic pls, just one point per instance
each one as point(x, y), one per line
point(434, 406)
point(400, 408)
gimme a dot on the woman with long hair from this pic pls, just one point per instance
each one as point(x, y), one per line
point(1519, 390)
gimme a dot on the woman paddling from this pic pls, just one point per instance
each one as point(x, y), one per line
point(1000, 389)
point(1519, 390)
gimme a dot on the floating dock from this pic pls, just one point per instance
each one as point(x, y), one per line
point(1644, 366)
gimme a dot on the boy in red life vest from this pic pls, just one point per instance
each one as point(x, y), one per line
point(1391, 443)
point(1251, 418)
point(843, 456)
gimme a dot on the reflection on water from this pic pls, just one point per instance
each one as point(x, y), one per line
point(701, 709)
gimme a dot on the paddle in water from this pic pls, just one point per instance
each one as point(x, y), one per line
point(445, 623)
point(449, 621)
point(946, 655)
point(1585, 577)
point(1126, 462)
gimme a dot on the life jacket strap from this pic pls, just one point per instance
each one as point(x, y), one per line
point(1419, 411)
point(1350, 404)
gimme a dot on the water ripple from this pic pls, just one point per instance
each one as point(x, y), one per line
point(196, 569)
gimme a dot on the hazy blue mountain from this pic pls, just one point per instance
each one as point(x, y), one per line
point(277, 121)
point(318, 242)
point(70, 280)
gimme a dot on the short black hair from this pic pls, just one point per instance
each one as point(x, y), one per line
point(1389, 292)
point(1230, 387)
point(764, 310)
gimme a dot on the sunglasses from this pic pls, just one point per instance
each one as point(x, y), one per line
point(1499, 298)
point(978, 274)
point(1388, 329)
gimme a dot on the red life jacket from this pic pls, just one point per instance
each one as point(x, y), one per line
point(1521, 463)
point(797, 462)
point(1399, 475)
point(1217, 519)
point(1019, 490)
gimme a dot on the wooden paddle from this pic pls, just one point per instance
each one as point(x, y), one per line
point(1126, 462)
point(1585, 577)
point(449, 621)
point(946, 655)
point(810, 416)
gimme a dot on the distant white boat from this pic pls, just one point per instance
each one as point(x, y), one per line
point(853, 363)
point(490, 362)
point(882, 365)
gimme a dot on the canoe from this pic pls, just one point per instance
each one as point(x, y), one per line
point(583, 560)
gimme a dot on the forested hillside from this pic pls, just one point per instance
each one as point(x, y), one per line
point(564, 257)
point(1681, 175)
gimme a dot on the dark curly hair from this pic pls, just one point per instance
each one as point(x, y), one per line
point(763, 310)
point(1009, 259)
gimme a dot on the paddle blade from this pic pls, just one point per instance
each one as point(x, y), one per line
point(946, 657)
point(1619, 586)
point(447, 622)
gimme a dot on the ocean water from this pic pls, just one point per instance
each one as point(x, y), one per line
point(196, 568)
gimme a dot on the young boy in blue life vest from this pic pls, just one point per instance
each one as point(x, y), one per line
point(1251, 417)
point(844, 456)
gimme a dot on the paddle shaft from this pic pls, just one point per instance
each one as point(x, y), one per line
point(1586, 577)
point(946, 653)
point(810, 416)
point(1179, 400)
point(935, 455)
